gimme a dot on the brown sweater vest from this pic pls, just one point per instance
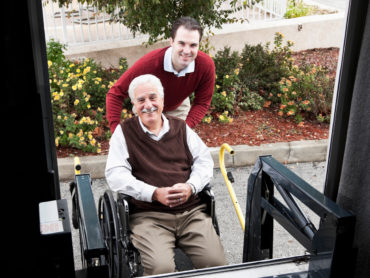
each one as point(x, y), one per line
point(160, 163)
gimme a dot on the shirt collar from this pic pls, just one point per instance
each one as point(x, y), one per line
point(168, 64)
point(165, 128)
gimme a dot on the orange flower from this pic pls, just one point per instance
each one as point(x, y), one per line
point(280, 113)
point(267, 104)
point(306, 102)
point(282, 106)
point(301, 124)
point(290, 112)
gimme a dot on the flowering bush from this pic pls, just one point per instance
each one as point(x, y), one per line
point(78, 91)
point(307, 91)
point(260, 77)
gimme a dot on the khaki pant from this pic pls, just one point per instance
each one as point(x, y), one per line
point(156, 234)
point(182, 111)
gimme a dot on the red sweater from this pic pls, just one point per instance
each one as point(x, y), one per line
point(176, 89)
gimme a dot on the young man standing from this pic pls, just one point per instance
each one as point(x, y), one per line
point(182, 69)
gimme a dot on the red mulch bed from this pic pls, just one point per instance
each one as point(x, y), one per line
point(257, 127)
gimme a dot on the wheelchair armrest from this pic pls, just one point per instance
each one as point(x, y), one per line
point(207, 196)
point(123, 208)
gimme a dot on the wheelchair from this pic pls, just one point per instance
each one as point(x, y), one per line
point(123, 258)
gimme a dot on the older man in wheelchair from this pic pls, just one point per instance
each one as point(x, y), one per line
point(163, 166)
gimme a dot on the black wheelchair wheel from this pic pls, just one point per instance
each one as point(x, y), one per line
point(109, 223)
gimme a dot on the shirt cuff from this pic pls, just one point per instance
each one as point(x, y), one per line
point(147, 193)
point(196, 182)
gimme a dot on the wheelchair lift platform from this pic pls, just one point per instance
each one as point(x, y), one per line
point(294, 267)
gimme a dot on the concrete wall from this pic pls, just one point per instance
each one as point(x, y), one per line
point(319, 31)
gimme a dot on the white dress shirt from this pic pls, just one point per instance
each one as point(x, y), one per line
point(118, 169)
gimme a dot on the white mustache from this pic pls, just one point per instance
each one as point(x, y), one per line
point(149, 110)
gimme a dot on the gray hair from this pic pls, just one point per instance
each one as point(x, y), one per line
point(144, 79)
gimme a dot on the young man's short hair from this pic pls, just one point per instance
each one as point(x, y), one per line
point(188, 23)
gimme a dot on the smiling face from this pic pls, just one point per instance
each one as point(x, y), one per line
point(185, 47)
point(149, 105)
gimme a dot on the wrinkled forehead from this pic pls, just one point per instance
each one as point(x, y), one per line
point(146, 90)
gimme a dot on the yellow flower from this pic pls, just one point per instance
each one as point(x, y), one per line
point(57, 141)
point(236, 71)
point(50, 63)
point(86, 70)
point(223, 93)
point(226, 76)
point(74, 87)
point(70, 135)
point(76, 102)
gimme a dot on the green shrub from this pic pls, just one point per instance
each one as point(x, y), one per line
point(250, 100)
point(296, 8)
point(262, 69)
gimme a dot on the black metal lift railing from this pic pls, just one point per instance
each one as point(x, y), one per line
point(94, 252)
point(329, 246)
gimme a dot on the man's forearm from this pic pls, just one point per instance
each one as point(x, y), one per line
point(114, 109)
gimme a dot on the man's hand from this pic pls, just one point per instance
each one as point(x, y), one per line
point(173, 196)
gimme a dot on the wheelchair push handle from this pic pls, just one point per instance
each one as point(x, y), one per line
point(226, 176)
